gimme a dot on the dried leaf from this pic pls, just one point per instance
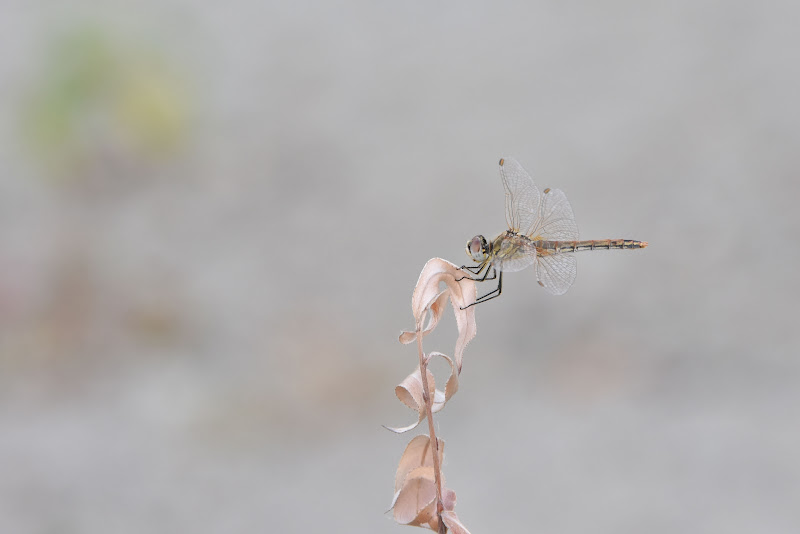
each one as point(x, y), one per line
point(453, 523)
point(437, 307)
point(415, 487)
point(451, 387)
point(407, 337)
point(416, 500)
point(427, 297)
point(448, 503)
point(402, 429)
point(417, 454)
point(448, 499)
point(409, 391)
point(437, 270)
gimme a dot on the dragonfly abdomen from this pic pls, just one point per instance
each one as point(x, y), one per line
point(556, 247)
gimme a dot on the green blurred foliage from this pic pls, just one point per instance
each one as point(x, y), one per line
point(94, 97)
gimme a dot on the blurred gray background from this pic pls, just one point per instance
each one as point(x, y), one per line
point(212, 216)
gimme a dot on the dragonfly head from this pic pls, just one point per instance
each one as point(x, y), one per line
point(478, 249)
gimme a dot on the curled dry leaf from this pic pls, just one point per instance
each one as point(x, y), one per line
point(415, 487)
point(453, 523)
point(427, 297)
point(415, 504)
point(448, 499)
point(417, 454)
point(436, 306)
point(448, 515)
point(410, 390)
point(415, 490)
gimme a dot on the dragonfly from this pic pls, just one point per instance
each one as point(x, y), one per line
point(541, 232)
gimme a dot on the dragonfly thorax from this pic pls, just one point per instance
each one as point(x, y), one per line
point(478, 249)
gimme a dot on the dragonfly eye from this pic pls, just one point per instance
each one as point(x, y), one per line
point(476, 248)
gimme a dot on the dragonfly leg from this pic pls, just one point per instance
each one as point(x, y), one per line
point(494, 275)
point(494, 293)
point(485, 275)
point(476, 272)
point(471, 267)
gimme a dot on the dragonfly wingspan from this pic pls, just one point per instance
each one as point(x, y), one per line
point(541, 232)
point(556, 272)
point(556, 221)
point(522, 195)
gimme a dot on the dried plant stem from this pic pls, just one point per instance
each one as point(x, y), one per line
point(426, 396)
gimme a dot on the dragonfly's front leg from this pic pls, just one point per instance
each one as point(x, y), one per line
point(495, 293)
point(475, 270)
point(486, 265)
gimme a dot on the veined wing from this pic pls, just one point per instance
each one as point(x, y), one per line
point(522, 196)
point(555, 221)
point(556, 272)
point(538, 216)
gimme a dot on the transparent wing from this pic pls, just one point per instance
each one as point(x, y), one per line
point(555, 222)
point(514, 254)
point(522, 196)
point(556, 272)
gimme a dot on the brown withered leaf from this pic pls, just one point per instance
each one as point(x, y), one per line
point(415, 503)
point(448, 514)
point(453, 523)
point(409, 391)
point(418, 453)
point(427, 297)
point(415, 490)
point(451, 386)
point(437, 306)
point(415, 487)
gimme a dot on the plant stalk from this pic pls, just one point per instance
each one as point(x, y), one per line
point(423, 367)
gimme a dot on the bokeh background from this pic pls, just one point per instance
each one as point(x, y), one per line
point(212, 216)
